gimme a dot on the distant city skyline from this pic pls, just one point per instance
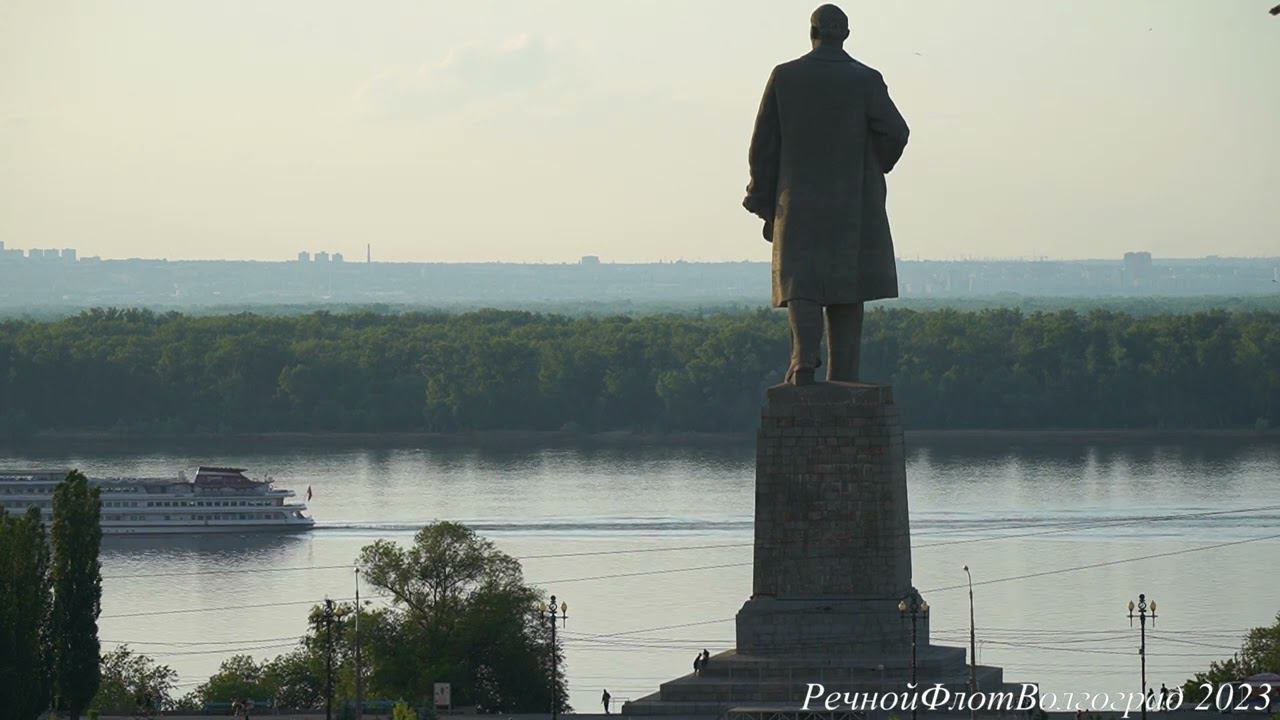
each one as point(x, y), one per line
point(62, 280)
point(545, 131)
point(7, 249)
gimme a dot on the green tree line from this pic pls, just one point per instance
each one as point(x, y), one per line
point(138, 371)
point(459, 611)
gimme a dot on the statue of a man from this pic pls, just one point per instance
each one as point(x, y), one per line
point(826, 135)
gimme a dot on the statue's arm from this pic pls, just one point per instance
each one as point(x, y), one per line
point(766, 146)
point(888, 129)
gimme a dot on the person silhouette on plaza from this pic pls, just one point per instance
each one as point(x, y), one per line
point(1164, 698)
point(706, 658)
point(697, 664)
point(604, 699)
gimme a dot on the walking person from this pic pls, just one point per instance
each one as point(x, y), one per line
point(706, 658)
point(1164, 698)
point(697, 664)
point(604, 699)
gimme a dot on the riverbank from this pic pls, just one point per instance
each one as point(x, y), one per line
point(631, 439)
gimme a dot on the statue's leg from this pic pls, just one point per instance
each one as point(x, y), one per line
point(844, 341)
point(806, 340)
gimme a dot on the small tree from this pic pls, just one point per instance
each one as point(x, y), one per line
point(239, 676)
point(130, 680)
point(25, 689)
point(402, 711)
point(296, 678)
point(1259, 653)
point(77, 593)
point(463, 614)
point(290, 681)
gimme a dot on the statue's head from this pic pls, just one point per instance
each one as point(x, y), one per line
point(828, 25)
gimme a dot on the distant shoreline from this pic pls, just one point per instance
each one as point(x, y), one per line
point(624, 438)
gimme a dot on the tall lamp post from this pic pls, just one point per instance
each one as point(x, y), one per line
point(553, 613)
point(973, 647)
point(359, 668)
point(914, 607)
point(1144, 610)
point(323, 618)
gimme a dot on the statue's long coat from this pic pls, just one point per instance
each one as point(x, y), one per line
point(825, 136)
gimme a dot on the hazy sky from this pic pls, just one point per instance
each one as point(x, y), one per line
point(545, 130)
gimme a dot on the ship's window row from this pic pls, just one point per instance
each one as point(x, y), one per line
point(215, 516)
point(159, 503)
point(209, 503)
point(48, 490)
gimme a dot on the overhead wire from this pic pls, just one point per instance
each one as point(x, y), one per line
point(1053, 527)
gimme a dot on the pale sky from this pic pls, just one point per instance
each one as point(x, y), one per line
point(543, 130)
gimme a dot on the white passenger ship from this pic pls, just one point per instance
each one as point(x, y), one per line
point(219, 500)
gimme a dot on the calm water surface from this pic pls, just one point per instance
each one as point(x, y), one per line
point(987, 505)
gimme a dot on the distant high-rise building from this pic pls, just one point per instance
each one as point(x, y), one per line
point(69, 254)
point(368, 252)
point(322, 256)
point(1, 246)
point(35, 254)
point(589, 260)
point(337, 257)
point(304, 256)
point(1137, 269)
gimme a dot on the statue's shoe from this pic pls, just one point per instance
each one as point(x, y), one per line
point(800, 375)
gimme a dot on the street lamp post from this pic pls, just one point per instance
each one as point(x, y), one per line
point(324, 617)
point(1144, 610)
point(973, 647)
point(359, 669)
point(553, 613)
point(914, 607)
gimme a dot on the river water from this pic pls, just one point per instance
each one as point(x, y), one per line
point(1132, 517)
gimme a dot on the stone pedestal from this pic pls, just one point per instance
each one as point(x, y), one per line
point(833, 540)
point(832, 562)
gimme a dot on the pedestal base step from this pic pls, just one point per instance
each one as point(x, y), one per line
point(736, 680)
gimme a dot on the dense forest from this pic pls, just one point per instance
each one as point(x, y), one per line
point(136, 371)
point(1138, 305)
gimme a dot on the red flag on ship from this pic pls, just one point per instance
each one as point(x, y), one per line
point(308, 493)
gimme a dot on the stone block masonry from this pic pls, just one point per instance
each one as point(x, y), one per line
point(832, 530)
point(831, 495)
point(832, 562)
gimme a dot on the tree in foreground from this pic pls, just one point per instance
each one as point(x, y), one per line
point(461, 613)
point(238, 677)
point(292, 680)
point(1259, 653)
point(132, 681)
point(25, 690)
point(77, 594)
